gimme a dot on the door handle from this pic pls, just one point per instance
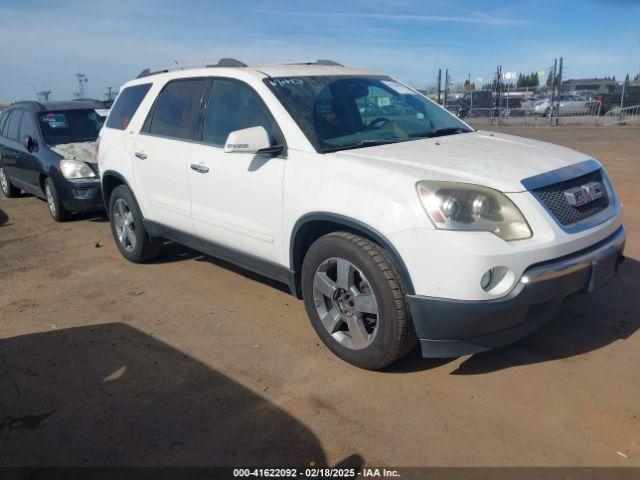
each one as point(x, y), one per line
point(141, 155)
point(200, 168)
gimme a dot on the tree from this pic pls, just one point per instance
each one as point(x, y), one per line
point(469, 86)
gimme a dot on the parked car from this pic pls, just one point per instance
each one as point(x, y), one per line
point(586, 94)
point(49, 150)
point(400, 228)
point(567, 105)
point(610, 101)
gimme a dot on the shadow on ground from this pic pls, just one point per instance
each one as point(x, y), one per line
point(111, 395)
point(588, 322)
point(4, 218)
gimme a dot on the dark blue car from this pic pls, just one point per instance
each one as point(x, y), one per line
point(49, 150)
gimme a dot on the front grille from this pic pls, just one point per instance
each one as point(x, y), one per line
point(552, 196)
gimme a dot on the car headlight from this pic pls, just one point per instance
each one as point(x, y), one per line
point(461, 206)
point(73, 169)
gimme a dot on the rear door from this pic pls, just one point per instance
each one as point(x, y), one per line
point(162, 154)
point(237, 197)
point(28, 162)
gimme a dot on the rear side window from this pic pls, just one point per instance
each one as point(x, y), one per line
point(126, 105)
point(177, 108)
point(234, 106)
point(13, 131)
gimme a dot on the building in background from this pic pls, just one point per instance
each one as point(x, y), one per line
point(600, 85)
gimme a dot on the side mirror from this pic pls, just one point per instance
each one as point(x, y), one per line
point(30, 143)
point(250, 140)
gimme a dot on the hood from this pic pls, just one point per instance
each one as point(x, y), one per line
point(495, 160)
point(83, 151)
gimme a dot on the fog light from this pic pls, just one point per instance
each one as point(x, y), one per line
point(485, 281)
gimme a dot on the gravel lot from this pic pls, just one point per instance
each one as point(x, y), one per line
point(189, 361)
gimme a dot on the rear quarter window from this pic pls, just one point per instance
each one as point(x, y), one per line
point(126, 106)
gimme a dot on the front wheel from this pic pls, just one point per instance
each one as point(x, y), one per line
point(354, 299)
point(57, 211)
point(133, 240)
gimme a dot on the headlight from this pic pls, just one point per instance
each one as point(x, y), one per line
point(72, 169)
point(460, 206)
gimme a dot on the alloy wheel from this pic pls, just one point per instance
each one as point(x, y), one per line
point(50, 200)
point(4, 181)
point(346, 304)
point(124, 225)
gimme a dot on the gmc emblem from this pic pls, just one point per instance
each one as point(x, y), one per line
point(584, 194)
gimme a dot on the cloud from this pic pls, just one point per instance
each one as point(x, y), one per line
point(476, 18)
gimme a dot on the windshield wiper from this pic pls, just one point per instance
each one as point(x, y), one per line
point(441, 132)
point(364, 143)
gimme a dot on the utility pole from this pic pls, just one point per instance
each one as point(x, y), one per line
point(109, 94)
point(446, 86)
point(439, 85)
point(42, 95)
point(498, 85)
point(83, 91)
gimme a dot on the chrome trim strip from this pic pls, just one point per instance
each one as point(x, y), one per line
point(560, 174)
point(579, 262)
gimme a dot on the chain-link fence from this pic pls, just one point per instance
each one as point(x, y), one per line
point(586, 112)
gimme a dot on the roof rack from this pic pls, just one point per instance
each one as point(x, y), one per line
point(147, 73)
point(228, 62)
point(319, 62)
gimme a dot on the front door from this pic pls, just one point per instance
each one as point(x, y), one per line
point(237, 197)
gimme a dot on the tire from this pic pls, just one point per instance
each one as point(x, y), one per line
point(7, 188)
point(132, 239)
point(353, 331)
point(56, 209)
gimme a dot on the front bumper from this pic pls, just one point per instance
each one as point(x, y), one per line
point(80, 195)
point(451, 328)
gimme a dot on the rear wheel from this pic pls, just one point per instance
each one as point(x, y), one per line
point(354, 299)
point(57, 211)
point(132, 239)
point(7, 189)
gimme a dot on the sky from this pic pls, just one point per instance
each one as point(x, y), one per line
point(44, 43)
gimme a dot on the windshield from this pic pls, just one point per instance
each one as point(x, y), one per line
point(70, 126)
point(341, 112)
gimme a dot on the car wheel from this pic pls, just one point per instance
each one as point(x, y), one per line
point(355, 301)
point(132, 239)
point(8, 190)
point(57, 211)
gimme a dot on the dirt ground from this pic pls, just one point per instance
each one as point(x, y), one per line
point(189, 361)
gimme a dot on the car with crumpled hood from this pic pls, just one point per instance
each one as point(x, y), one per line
point(49, 150)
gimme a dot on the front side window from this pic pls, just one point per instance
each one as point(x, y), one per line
point(69, 126)
point(234, 106)
point(13, 131)
point(340, 112)
point(177, 108)
point(126, 106)
point(28, 127)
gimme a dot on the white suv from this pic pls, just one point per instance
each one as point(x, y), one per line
point(393, 220)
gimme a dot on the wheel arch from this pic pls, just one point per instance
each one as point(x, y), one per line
point(111, 180)
point(312, 226)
